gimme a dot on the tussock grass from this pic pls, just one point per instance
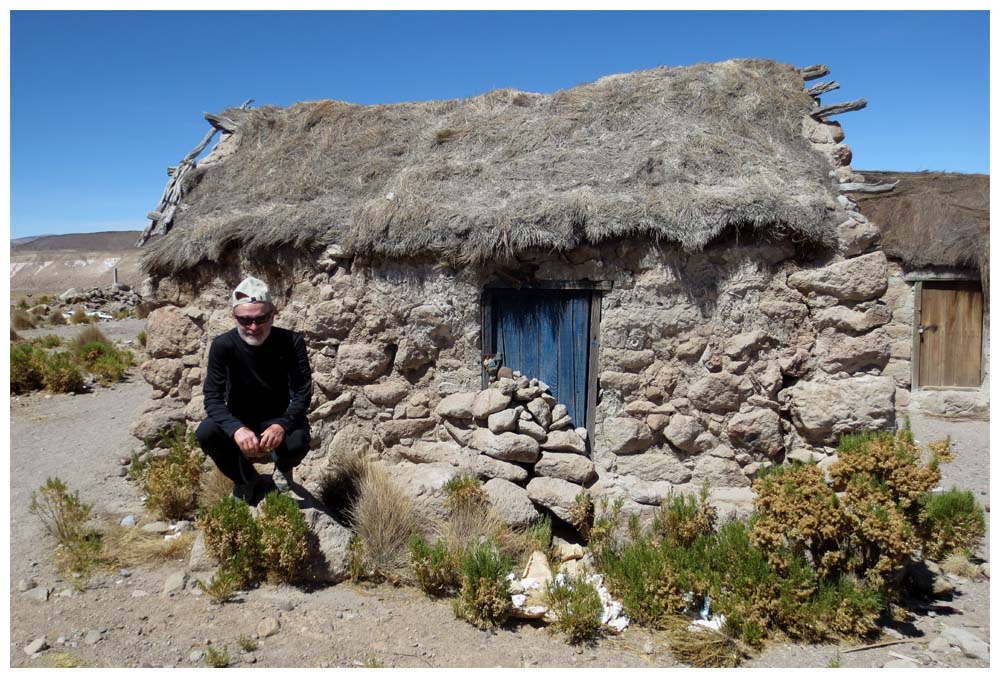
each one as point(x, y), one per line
point(214, 486)
point(383, 517)
point(702, 647)
point(130, 546)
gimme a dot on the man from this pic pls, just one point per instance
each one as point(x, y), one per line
point(257, 389)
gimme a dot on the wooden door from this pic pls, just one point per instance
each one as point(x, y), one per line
point(545, 334)
point(951, 340)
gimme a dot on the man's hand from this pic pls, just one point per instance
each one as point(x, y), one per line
point(247, 440)
point(272, 437)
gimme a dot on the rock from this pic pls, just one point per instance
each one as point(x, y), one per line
point(565, 441)
point(559, 411)
point(845, 319)
point(162, 374)
point(540, 411)
point(970, 645)
point(489, 401)
point(530, 428)
point(822, 411)
point(683, 432)
point(854, 237)
point(175, 583)
point(649, 492)
point(362, 363)
point(157, 527)
point(462, 436)
point(534, 581)
point(502, 421)
point(426, 452)
point(510, 502)
point(196, 656)
point(128, 521)
point(24, 585)
point(560, 423)
point(328, 562)
point(348, 441)
point(939, 646)
point(622, 435)
point(745, 345)
point(655, 466)
point(93, 637)
point(803, 455)
point(156, 416)
point(387, 393)
point(554, 494)
point(566, 551)
point(623, 382)
point(571, 467)
point(424, 484)
point(858, 279)
point(506, 446)
point(838, 353)
point(39, 593)
point(767, 377)
point(900, 664)
point(721, 392)
point(333, 407)
point(391, 432)
point(624, 360)
point(456, 406)
point(37, 645)
point(201, 558)
point(488, 467)
point(171, 334)
point(718, 471)
point(268, 627)
point(332, 318)
point(758, 431)
point(657, 422)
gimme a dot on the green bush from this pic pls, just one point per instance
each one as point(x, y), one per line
point(172, 483)
point(111, 368)
point(682, 518)
point(577, 608)
point(464, 492)
point(61, 374)
point(48, 341)
point(950, 522)
point(217, 658)
point(141, 338)
point(233, 537)
point(25, 367)
point(484, 599)
point(65, 517)
point(283, 537)
point(436, 569)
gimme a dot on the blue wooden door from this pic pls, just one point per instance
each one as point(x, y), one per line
point(545, 334)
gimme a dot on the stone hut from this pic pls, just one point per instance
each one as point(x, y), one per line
point(635, 286)
point(935, 231)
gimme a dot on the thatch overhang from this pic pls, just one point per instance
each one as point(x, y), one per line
point(670, 154)
point(931, 218)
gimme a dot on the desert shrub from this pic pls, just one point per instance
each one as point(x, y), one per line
point(436, 569)
point(464, 492)
point(892, 463)
point(111, 368)
point(577, 607)
point(681, 518)
point(484, 599)
point(65, 517)
point(581, 513)
point(247, 643)
point(25, 367)
point(122, 314)
point(22, 304)
point(642, 576)
point(233, 537)
point(56, 318)
point(539, 534)
point(384, 518)
point(141, 338)
point(20, 319)
point(941, 450)
point(172, 483)
point(60, 373)
point(143, 309)
point(283, 537)
point(339, 486)
point(47, 341)
point(214, 486)
point(89, 335)
point(950, 522)
point(959, 565)
point(79, 317)
point(217, 658)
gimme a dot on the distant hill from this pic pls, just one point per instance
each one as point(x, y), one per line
point(54, 263)
point(104, 240)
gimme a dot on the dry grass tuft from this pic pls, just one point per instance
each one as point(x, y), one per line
point(383, 518)
point(130, 546)
point(959, 565)
point(214, 486)
point(702, 647)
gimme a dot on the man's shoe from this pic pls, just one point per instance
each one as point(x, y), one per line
point(244, 491)
point(282, 479)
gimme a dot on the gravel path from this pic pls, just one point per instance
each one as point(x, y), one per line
point(124, 619)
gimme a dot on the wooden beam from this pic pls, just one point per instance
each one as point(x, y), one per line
point(246, 104)
point(867, 188)
point(813, 72)
point(221, 123)
point(836, 109)
point(823, 88)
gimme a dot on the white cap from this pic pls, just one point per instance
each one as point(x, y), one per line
point(251, 291)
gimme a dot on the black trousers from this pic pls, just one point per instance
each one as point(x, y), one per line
point(229, 458)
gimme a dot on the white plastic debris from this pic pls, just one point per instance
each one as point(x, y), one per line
point(714, 623)
point(519, 599)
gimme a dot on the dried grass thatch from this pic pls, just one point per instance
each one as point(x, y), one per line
point(932, 218)
point(672, 154)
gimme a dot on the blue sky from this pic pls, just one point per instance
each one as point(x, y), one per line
point(103, 102)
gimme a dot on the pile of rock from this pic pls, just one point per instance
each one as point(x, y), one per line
point(112, 299)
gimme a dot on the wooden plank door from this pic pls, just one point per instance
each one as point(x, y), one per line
point(545, 334)
point(951, 317)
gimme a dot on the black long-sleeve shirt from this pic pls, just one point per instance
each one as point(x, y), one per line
point(246, 385)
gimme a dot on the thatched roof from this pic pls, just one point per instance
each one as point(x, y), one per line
point(672, 154)
point(932, 218)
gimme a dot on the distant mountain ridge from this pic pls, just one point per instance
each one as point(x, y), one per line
point(102, 240)
point(54, 263)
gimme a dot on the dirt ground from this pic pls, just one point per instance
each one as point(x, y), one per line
point(123, 619)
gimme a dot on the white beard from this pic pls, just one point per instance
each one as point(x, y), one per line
point(253, 341)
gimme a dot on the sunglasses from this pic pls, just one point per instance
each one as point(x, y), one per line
point(255, 320)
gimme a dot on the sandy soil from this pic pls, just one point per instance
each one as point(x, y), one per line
point(122, 619)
